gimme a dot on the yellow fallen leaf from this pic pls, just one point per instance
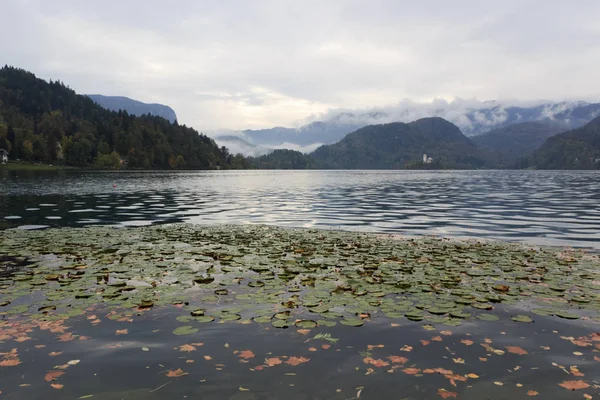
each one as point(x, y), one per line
point(243, 389)
point(473, 376)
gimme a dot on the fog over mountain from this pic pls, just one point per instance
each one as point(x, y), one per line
point(473, 117)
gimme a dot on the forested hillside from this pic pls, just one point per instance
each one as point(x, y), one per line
point(48, 122)
point(399, 145)
point(576, 149)
point(515, 141)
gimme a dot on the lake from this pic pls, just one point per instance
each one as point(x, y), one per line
point(208, 292)
point(535, 207)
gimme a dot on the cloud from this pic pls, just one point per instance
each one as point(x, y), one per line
point(241, 64)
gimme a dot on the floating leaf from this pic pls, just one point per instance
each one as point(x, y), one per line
point(306, 324)
point(574, 385)
point(445, 394)
point(516, 350)
point(176, 373)
point(521, 318)
point(185, 330)
point(293, 361)
point(352, 322)
point(53, 375)
point(246, 354)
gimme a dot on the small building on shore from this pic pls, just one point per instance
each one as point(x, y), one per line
point(427, 160)
point(3, 155)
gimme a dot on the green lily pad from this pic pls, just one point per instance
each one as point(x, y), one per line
point(521, 318)
point(306, 324)
point(566, 315)
point(488, 317)
point(185, 330)
point(352, 322)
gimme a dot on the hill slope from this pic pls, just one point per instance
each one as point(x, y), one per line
point(517, 140)
point(134, 107)
point(399, 145)
point(48, 122)
point(575, 149)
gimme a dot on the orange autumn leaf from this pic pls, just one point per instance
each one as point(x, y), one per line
point(66, 337)
point(207, 358)
point(53, 375)
point(487, 340)
point(580, 343)
point(575, 371)
point(198, 344)
point(303, 331)
point(406, 348)
point(375, 362)
point(445, 394)
point(483, 359)
point(246, 354)
point(375, 346)
point(425, 342)
point(443, 371)
point(398, 359)
point(429, 371)
point(437, 338)
point(313, 349)
point(57, 386)
point(273, 361)
point(446, 333)
point(596, 358)
point(411, 371)
point(532, 393)
point(293, 361)
point(122, 332)
point(187, 348)
point(176, 374)
point(40, 346)
point(10, 362)
point(574, 385)
point(516, 350)
point(467, 342)
point(325, 346)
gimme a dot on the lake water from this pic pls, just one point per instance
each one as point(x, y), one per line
point(536, 207)
point(253, 312)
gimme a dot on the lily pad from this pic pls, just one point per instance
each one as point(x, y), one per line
point(185, 330)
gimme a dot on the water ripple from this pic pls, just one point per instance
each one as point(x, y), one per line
point(538, 207)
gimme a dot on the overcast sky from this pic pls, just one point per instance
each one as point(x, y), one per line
point(254, 64)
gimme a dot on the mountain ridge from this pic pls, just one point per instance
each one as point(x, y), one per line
point(134, 107)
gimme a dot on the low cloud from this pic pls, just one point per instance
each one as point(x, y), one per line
point(238, 64)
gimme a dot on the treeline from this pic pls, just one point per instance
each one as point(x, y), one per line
point(48, 122)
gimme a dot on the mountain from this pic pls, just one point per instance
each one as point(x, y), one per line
point(134, 107)
point(575, 149)
point(48, 122)
point(283, 159)
point(518, 140)
point(472, 117)
point(399, 145)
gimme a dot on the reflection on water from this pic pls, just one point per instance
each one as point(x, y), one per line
point(542, 207)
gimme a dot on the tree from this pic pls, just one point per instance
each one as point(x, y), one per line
point(27, 150)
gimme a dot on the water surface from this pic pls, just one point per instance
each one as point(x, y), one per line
point(536, 207)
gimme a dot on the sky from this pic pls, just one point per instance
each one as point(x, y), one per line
point(237, 64)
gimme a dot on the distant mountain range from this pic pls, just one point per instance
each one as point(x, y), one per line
point(473, 118)
point(134, 107)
